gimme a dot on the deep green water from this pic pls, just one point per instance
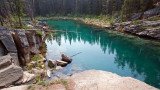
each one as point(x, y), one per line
point(125, 55)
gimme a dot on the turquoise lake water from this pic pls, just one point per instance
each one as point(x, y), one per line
point(107, 50)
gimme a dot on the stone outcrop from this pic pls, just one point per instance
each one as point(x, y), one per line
point(151, 12)
point(136, 16)
point(10, 75)
point(149, 29)
point(19, 45)
point(102, 80)
point(8, 42)
point(5, 61)
point(146, 14)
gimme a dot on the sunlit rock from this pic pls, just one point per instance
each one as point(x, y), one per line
point(66, 58)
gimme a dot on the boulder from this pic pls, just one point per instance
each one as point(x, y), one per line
point(9, 75)
point(28, 78)
point(51, 63)
point(61, 63)
point(66, 58)
point(102, 80)
point(36, 71)
point(59, 68)
point(5, 61)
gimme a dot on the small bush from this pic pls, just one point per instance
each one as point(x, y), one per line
point(21, 27)
point(111, 21)
point(137, 22)
point(142, 28)
point(59, 81)
point(31, 86)
point(37, 57)
point(64, 82)
point(39, 33)
point(42, 83)
point(51, 83)
point(153, 18)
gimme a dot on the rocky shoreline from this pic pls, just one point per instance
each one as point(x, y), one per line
point(89, 80)
point(146, 24)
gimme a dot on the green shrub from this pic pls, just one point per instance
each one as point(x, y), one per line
point(111, 21)
point(64, 82)
point(137, 22)
point(42, 83)
point(37, 57)
point(21, 27)
point(51, 82)
point(39, 33)
point(58, 81)
point(142, 28)
point(31, 86)
point(153, 18)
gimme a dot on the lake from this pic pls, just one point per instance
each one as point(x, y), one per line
point(100, 49)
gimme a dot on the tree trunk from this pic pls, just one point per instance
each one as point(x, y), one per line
point(32, 17)
point(18, 13)
point(19, 17)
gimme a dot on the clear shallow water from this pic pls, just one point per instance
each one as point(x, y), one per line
point(111, 51)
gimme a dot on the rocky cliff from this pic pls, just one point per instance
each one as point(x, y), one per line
point(19, 46)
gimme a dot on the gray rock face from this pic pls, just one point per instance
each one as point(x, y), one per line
point(102, 80)
point(31, 38)
point(66, 58)
point(7, 40)
point(38, 41)
point(151, 12)
point(9, 75)
point(14, 58)
point(5, 61)
point(34, 51)
point(136, 16)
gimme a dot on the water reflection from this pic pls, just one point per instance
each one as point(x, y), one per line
point(131, 56)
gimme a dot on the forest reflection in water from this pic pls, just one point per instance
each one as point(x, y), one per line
point(106, 50)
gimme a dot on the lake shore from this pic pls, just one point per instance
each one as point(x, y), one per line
point(91, 79)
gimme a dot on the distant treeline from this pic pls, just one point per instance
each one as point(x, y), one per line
point(11, 9)
point(91, 7)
